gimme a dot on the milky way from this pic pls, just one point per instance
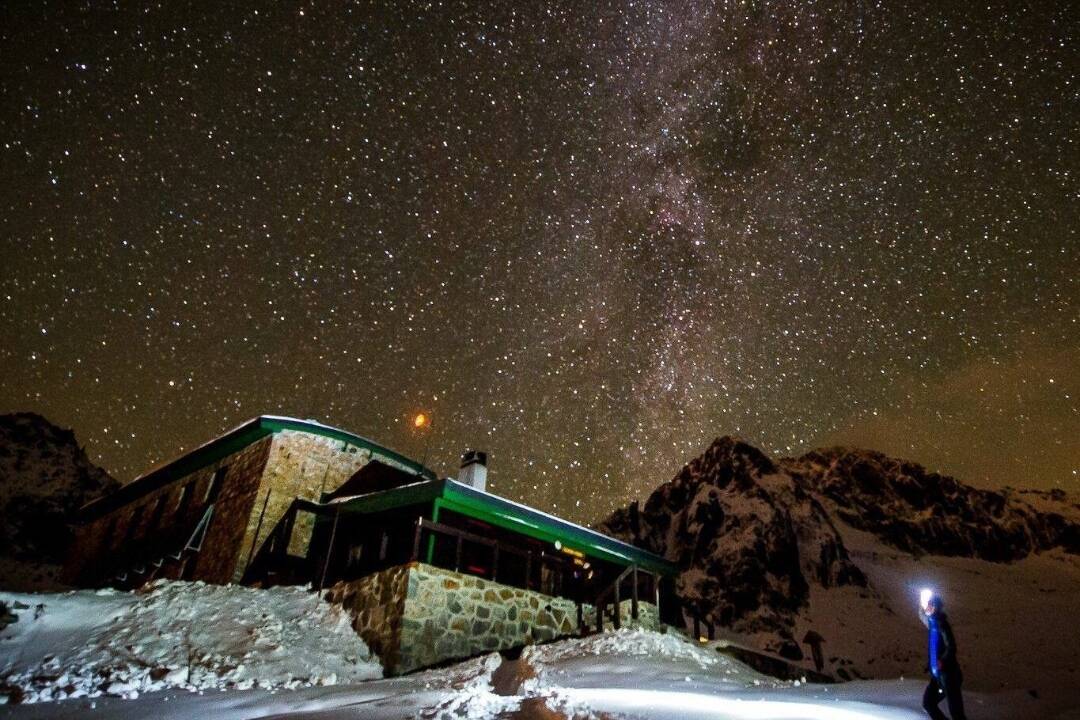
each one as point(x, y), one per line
point(586, 237)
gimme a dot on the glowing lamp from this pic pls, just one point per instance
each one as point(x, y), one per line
point(924, 597)
point(421, 420)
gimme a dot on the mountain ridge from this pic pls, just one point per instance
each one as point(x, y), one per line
point(45, 477)
point(753, 537)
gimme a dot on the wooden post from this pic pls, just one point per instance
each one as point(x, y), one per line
point(258, 529)
point(436, 506)
point(416, 538)
point(457, 553)
point(528, 579)
point(329, 550)
point(495, 564)
point(287, 531)
point(382, 547)
point(618, 605)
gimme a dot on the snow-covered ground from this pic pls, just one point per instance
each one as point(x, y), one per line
point(1016, 624)
point(287, 647)
point(177, 635)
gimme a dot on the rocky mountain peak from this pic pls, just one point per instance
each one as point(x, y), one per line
point(748, 539)
point(729, 459)
point(751, 535)
point(45, 477)
point(925, 512)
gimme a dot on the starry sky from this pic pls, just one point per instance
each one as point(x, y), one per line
point(585, 237)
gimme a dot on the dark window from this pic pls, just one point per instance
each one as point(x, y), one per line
point(185, 499)
point(356, 555)
point(157, 512)
point(108, 536)
point(214, 486)
point(133, 524)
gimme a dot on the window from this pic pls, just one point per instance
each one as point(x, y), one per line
point(184, 500)
point(356, 554)
point(157, 512)
point(133, 524)
point(108, 535)
point(213, 487)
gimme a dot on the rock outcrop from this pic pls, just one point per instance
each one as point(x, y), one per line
point(45, 477)
point(925, 512)
point(748, 538)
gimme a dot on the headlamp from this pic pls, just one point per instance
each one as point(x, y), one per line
point(924, 597)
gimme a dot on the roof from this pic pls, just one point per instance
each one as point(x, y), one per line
point(374, 476)
point(464, 499)
point(234, 440)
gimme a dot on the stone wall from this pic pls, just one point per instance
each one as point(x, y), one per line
point(648, 616)
point(377, 605)
point(157, 522)
point(300, 465)
point(216, 562)
point(260, 483)
point(421, 615)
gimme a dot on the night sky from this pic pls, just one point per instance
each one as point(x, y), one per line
point(586, 237)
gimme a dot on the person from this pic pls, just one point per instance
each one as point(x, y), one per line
point(945, 675)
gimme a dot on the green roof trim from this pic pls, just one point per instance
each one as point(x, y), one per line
point(231, 442)
point(529, 521)
point(452, 495)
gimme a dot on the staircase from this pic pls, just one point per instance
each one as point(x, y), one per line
point(170, 563)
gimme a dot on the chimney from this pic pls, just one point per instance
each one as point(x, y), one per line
point(474, 469)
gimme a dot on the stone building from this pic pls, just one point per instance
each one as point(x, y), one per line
point(204, 515)
point(431, 568)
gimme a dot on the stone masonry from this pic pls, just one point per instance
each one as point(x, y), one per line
point(298, 465)
point(260, 482)
point(417, 615)
point(103, 544)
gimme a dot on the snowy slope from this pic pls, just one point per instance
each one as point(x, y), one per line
point(176, 635)
point(624, 674)
point(1016, 623)
point(621, 675)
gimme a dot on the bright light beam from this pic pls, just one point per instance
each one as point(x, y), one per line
point(685, 705)
point(924, 597)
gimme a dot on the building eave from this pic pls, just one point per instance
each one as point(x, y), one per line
point(507, 514)
point(228, 443)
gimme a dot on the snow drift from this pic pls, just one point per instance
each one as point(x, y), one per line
point(176, 635)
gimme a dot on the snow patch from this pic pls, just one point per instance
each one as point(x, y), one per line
point(177, 635)
point(626, 642)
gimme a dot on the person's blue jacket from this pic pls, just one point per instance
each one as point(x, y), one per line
point(941, 643)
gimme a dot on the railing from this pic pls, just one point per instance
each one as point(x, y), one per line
point(699, 623)
point(148, 558)
point(498, 549)
point(614, 592)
